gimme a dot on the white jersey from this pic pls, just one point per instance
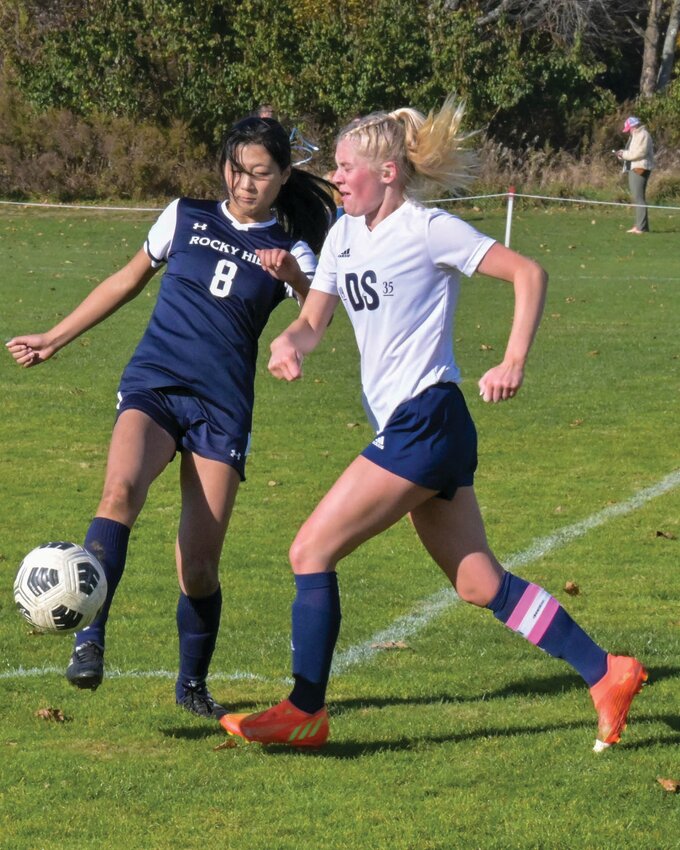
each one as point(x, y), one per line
point(399, 283)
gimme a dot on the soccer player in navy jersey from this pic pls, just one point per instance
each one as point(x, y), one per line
point(188, 387)
point(396, 267)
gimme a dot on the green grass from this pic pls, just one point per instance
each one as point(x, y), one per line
point(466, 738)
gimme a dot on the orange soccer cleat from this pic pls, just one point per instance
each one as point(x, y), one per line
point(613, 695)
point(282, 724)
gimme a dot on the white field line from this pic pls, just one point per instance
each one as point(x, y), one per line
point(113, 673)
point(425, 611)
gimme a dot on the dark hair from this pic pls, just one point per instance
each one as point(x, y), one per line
point(304, 206)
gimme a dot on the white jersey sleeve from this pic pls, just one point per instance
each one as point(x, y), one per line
point(455, 244)
point(306, 260)
point(159, 240)
point(326, 276)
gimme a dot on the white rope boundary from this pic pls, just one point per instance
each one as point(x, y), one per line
point(92, 207)
point(508, 194)
point(427, 610)
point(583, 201)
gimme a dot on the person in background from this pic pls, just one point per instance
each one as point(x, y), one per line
point(189, 386)
point(638, 160)
point(396, 267)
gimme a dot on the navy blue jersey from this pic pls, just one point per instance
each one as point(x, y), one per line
point(213, 304)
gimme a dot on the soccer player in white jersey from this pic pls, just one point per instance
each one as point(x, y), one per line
point(189, 385)
point(395, 265)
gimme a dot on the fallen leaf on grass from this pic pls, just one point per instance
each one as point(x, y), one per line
point(670, 785)
point(572, 588)
point(390, 644)
point(666, 534)
point(55, 714)
point(229, 744)
point(576, 423)
point(485, 347)
point(353, 424)
point(272, 483)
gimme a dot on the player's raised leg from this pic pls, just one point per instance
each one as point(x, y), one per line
point(453, 533)
point(139, 451)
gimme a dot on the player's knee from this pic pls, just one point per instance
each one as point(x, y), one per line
point(120, 500)
point(200, 577)
point(297, 552)
point(305, 553)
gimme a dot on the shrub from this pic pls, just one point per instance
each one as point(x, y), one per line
point(57, 155)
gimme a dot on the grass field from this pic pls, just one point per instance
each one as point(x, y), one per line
point(462, 735)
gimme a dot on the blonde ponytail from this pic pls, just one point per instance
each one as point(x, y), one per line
point(430, 152)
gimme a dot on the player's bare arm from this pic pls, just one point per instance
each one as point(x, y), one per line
point(282, 265)
point(530, 282)
point(105, 299)
point(302, 336)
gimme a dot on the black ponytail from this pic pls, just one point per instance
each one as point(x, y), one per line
point(304, 207)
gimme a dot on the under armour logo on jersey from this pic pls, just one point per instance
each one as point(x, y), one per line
point(234, 453)
point(345, 253)
point(199, 226)
point(379, 442)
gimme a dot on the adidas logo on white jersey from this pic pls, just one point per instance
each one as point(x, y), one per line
point(379, 442)
point(345, 253)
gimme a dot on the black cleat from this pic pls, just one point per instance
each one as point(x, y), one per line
point(197, 699)
point(86, 667)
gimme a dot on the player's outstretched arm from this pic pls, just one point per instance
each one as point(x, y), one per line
point(530, 283)
point(105, 299)
point(302, 336)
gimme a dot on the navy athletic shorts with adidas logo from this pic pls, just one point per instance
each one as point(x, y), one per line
point(430, 440)
point(195, 424)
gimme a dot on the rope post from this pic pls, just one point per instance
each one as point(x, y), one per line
point(508, 220)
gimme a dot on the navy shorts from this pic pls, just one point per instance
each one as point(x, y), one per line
point(430, 440)
point(195, 424)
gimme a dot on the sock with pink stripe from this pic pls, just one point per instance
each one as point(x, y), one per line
point(531, 611)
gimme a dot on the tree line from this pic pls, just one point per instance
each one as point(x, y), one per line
point(538, 73)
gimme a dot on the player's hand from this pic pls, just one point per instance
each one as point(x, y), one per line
point(279, 263)
point(285, 362)
point(501, 383)
point(30, 350)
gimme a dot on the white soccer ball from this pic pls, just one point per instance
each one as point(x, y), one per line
point(60, 587)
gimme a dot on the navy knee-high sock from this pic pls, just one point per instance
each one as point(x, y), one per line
point(198, 622)
point(531, 611)
point(107, 539)
point(316, 619)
